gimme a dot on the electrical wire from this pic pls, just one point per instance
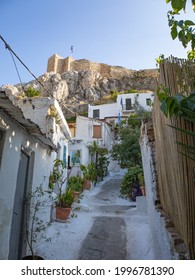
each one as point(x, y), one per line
point(17, 70)
point(13, 53)
point(10, 49)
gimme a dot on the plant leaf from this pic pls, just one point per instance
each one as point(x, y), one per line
point(189, 22)
point(178, 5)
point(188, 132)
point(174, 32)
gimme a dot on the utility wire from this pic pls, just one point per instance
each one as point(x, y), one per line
point(16, 69)
point(13, 53)
point(10, 49)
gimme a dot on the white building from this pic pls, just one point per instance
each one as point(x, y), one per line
point(89, 130)
point(30, 139)
point(122, 108)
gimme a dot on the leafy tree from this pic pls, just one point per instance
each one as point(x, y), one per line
point(182, 29)
point(127, 152)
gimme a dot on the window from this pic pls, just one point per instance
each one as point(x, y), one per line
point(96, 113)
point(97, 131)
point(148, 101)
point(2, 140)
point(128, 104)
point(75, 157)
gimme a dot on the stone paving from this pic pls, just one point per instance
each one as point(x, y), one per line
point(106, 227)
point(107, 238)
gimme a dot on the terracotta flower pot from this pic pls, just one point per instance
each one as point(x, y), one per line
point(62, 214)
point(87, 185)
point(76, 196)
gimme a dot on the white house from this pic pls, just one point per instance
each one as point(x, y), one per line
point(122, 108)
point(30, 139)
point(89, 130)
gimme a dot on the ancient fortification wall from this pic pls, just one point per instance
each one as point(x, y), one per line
point(60, 65)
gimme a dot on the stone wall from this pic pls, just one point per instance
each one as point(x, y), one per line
point(60, 65)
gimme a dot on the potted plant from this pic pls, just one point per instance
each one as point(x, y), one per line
point(63, 205)
point(34, 226)
point(142, 183)
point(64, 198)
point(75, 183)
point(89, 175)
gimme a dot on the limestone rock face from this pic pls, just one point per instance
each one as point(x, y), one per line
point(76, 89)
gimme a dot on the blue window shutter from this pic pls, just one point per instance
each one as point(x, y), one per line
point(64, 155)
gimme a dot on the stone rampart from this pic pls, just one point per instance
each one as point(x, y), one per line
point(60, 65)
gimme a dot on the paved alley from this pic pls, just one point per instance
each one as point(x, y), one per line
point(104, 226)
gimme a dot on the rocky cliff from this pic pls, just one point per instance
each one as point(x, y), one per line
point(76, 89)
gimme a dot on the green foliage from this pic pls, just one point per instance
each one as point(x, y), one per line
point(114, 94)
point(160, 59)
point(65, 200)
point(75, 183)
point(179, 106)
point(89, 172)
point(130, 178)
point(31, 92)
point(127, 152)
point(54, 113)
point(99, 159)
point(57, 179)
point(141, 178)
point(71, 119)
point(182, 29)
point(34, 226)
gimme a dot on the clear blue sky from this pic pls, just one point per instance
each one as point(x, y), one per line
point(128, 33)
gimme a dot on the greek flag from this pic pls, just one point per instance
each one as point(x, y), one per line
point(119, 118)
point(121, 102)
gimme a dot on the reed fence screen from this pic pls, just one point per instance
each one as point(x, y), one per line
point(176, 172)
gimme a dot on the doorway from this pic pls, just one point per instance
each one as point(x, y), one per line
point(17, 228)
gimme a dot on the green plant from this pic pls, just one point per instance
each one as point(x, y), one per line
point(99, 159)
point(182, 29)
point(128, 181)
point(160, 59)
point(31, 92)
point(35, 227)
point(141, 179)
point(58, 178)
point(89, 172)
point(65, 200)
point(179, 106)
point(52, 111)
point(114, 94)
point(127, 152)
point(75, 183)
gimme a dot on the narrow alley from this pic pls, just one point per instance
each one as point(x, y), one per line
point(104, 226)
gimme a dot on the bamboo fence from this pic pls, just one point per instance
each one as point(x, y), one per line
point(176, 172)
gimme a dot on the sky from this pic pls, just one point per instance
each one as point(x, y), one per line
point(128, 33)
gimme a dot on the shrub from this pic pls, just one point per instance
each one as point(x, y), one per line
point(31, 92)
point(130, 179)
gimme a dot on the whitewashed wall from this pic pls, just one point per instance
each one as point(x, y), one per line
point(15, 139)
point(141, 98)
point(113, 109)
point(164, 245)
point(84, 131)
point(106, 110)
